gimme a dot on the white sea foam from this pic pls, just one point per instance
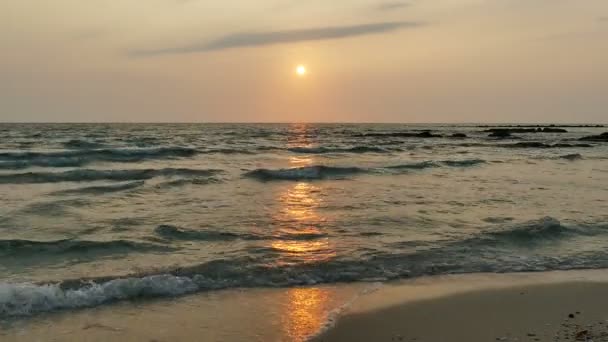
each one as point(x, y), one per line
point(27, 299)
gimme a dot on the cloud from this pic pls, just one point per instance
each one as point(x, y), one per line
point(391, 6)
point(241, 40)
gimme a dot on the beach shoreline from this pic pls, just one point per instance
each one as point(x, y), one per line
point(463, 307)
point(546, 306)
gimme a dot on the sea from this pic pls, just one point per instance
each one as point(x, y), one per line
point(106, 215)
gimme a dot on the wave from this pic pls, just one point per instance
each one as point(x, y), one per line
point(53, 162)
point(415, 166)
point(27, 299)
point(190, 181)
point(300, 236)
point(319, 172)
point(322, 150)
point(305, 173)
point(436, 164)
point(227, 151)
point(176, 233)
point(13, 247)
point(463, 163)
point(303, 150)
point(82, 144)
point(491, 251)
point(170, 232)
point(547, 227)
point(101, 189)
point(88, 175)
point(573, 156)
point(82, 157)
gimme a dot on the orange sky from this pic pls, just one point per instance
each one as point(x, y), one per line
point(368, 61)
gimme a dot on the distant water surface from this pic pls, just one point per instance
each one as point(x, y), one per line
point(98, 213)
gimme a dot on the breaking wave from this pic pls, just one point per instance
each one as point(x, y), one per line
point(484, 253)
point(305, 173)
point(547, 227)
point(319, 172)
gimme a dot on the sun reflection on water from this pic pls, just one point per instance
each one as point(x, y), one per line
point(305, 312)
point(301, 238)
point(300, 161)
point(299, 227)
point(300, 135)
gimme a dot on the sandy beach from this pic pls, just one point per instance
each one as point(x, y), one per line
point(556, 306)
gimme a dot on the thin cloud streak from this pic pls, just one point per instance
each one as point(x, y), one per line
point(391, 6)
point(243, 40)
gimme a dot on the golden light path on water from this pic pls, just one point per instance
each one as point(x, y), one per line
point(306, 312)
point(298, 217)
point(299, 221)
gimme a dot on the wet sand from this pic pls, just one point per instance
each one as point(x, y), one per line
point(556, 306)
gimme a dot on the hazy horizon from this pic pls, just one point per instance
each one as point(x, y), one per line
point(482, 124)
point(416, 61)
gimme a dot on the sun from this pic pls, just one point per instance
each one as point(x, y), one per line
point(301, 70)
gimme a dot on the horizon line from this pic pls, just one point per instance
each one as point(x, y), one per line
point(311, 122)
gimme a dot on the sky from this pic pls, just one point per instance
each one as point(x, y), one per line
point(367, 61)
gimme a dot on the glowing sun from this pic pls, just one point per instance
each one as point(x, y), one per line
point(301, 70)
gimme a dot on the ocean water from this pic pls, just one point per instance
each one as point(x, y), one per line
point(95, 214)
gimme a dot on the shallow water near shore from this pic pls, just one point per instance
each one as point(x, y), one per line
point(94, 215)
point(291, 314)
point(295, 314)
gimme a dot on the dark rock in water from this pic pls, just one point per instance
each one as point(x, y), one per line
point(553, 130)
point(505, 132)
point(537, 126)
point(424, 134)
point(500, 133)
point(528, 130)
point(601, 137)
point(428, 134)
point(530, 144)
point(558, 145)
point(458, 135)
point(513, 130)
point(536, 144)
